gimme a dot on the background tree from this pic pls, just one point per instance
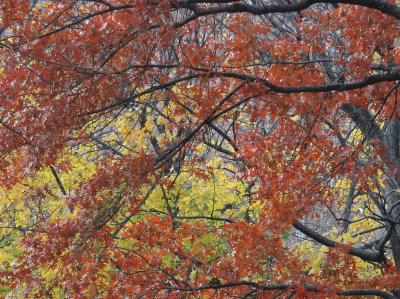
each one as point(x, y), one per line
point(171, 148)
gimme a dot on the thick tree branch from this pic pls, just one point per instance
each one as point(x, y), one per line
point(365, 255)
point(272, 287)
point(367, 81)
point(349, 203)
point(60, 185)
point(382, 6)
point(364, 120)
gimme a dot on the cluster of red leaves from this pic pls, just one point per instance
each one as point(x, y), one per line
point(69, 62)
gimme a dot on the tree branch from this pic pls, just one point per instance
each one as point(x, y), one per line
point(60, 185)
point(382, 6)
point(364, 120)
point(272, 287)
point(365, 255)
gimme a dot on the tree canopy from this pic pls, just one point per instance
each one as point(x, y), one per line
point(200, 148)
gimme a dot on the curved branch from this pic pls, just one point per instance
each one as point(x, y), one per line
point(368, 80)
point(272, 287)
point(380, 5)
point(365, 255)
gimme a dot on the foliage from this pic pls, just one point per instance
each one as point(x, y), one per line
point(207, 149)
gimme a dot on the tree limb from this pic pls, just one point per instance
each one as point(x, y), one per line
point(365, 255)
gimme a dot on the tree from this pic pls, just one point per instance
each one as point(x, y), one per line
point(218, 134)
